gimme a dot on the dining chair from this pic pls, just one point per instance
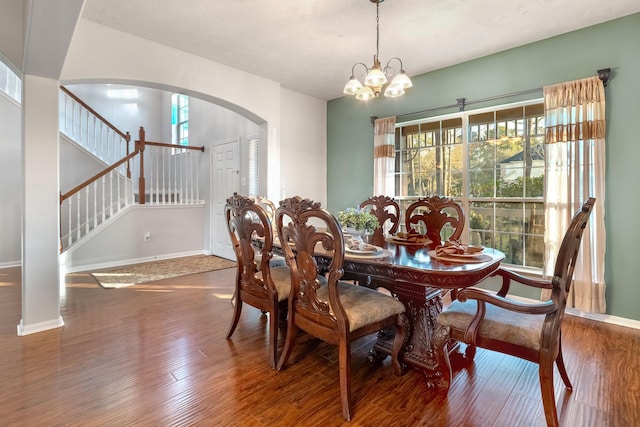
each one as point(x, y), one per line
point(432, 216)
point(334, 311)
point(531, 331)
point(257, 282)
point(268, 206)
point(386, 209)
point(270, 209)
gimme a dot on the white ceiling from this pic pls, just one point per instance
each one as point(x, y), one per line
point(310, 45)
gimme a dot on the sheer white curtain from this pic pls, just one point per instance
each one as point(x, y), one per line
point(575, 170)
point(383, 157)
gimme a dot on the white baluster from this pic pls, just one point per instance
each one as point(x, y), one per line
point(155, 175)
point(70, 214)
point(78, 216)
point(95, 202)
point(112, 175)
point(118, 178)
point(103, 206)
point(182, 177)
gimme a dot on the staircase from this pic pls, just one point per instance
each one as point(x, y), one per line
point(171, 173)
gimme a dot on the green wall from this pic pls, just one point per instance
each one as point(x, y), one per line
point(614, 44)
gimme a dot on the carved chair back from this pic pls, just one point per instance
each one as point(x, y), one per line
point(568, 256)
point(246, 220)
point(320, 303)
point(386, 209)
point(257, 283)
point(303, 227)
point(268, 206)
point(433, 215)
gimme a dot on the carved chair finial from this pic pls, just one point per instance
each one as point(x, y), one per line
point(297, 204)
point(238, 201)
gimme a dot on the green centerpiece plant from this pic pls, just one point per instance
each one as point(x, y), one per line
point(358, 219)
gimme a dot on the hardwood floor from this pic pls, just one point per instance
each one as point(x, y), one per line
point(156, 354)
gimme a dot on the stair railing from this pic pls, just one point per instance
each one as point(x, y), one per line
point(174, 177)
point(173, 171)
point(91, 203)
point(88, 128)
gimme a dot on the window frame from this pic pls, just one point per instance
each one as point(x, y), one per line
point(465, 198)
point(179, 107)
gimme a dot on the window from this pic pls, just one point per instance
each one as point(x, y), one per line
point(254, 145)
point(10, 83)
point(490, 161)
point(180, 119)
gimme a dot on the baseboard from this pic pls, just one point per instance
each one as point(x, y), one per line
point(39, 327)
point(604, 318)
point(10, 264)
point(111, 264)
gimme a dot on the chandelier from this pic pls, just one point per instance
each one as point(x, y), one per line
point(375, 78)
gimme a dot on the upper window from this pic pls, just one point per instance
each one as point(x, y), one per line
point(180, 119)
point(490, 161)
point(10, 83)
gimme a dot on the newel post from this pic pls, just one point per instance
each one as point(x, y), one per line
point(141, 189)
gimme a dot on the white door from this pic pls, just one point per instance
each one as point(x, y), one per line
point(224, 182)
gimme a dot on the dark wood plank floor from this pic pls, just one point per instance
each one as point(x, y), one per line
point(156, 354)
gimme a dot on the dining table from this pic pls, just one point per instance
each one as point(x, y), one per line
point(419, 278)
point(414, 273)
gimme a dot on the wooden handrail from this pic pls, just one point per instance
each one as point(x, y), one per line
point(97, 176)
point(164, 144)
point(95, 113)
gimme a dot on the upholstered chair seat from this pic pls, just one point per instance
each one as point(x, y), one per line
point(363, 306)
point(281, 277)
point(498, 324)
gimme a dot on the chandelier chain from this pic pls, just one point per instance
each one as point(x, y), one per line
point(377, 30)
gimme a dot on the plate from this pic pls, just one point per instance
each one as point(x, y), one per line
point(464, 258)
point(378, 254)
point(466, 255)
point(369, 250)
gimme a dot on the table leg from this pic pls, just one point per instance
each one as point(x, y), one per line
point(423, 306)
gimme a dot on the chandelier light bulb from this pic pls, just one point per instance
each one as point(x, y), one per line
point(352, 87)
point(365, 93)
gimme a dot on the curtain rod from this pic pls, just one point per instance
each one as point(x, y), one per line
point(461, 103)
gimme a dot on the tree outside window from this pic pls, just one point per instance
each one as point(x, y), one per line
point(490, 161)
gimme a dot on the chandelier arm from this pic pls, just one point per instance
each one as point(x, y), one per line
point(353, 70)
point(399, 60)
point(389, 71)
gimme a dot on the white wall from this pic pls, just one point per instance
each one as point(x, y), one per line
point(209, 123)
point(10, 182)
point(76, 164)
point(122, 240)
point(303, 147)
point(117, 57)
point(11, 32)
